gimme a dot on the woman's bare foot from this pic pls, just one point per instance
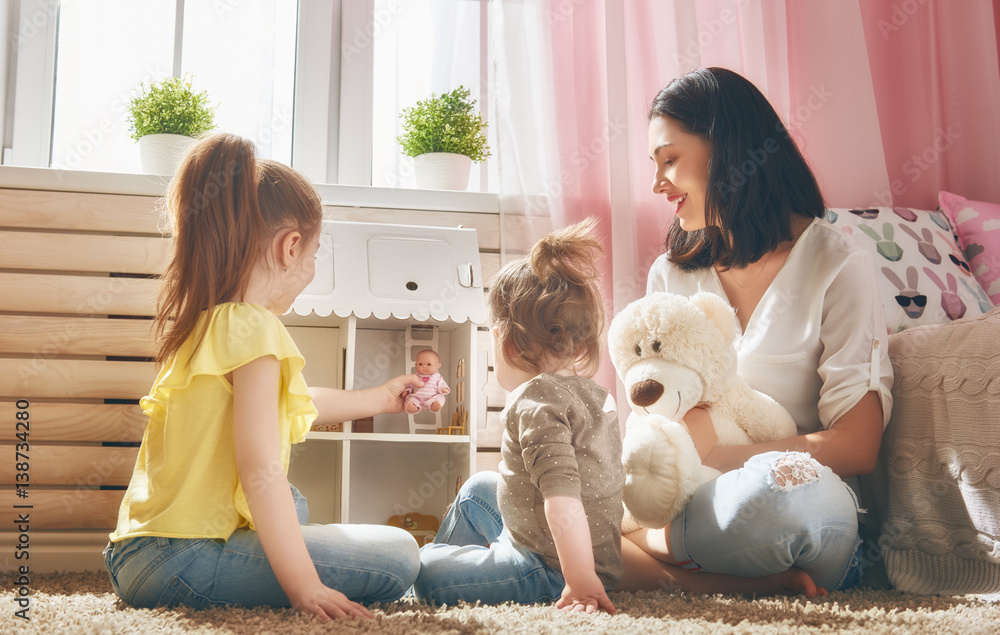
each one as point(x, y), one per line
point(643, 572)
point(794, 581)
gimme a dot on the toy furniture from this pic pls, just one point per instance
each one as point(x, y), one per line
point(369, 303)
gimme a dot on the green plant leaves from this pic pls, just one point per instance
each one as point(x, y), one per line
point(170, 106)
point(448, 123)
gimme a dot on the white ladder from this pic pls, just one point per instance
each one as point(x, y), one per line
point(429, 340)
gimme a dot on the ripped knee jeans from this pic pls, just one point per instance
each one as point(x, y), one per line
point(781, 509)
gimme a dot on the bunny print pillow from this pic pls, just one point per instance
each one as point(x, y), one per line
point(922, 273)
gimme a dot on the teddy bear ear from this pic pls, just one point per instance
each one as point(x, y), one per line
point(719, 311)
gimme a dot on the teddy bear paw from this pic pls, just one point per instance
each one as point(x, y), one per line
point(662, 469)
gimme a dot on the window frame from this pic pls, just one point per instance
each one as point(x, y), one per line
point(33, 26)
point(332, 100)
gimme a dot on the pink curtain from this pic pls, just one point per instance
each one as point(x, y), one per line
point(582, 129)
point(890, 101)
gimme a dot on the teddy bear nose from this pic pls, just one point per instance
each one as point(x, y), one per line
point(646, 392)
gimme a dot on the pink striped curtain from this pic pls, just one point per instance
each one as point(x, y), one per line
point(889, 100)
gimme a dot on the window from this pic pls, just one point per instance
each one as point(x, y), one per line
point(241, 51)
point(422, 47)
point(317, 84)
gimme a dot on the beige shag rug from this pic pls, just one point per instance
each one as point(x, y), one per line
point(84, 603)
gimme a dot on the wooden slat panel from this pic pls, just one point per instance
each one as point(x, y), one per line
point(487, 226)
point(51, 336)
point(73, 422)
point(75, 210)
point(63, 509)
point(72, 465)
point(85, 295)
point(522, 232)
point(490, 264)
point(26, 378)
point(83, 252)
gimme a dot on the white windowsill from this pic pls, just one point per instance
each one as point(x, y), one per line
point(25, 178)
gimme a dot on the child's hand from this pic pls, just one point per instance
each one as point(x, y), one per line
point(327, 604)
point(585, 595)
point(396, 390)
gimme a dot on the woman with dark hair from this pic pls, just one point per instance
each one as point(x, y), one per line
point(748, 227)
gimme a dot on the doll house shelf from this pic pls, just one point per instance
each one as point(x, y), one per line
point(381, 294)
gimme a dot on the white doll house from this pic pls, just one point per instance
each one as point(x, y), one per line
point(381, 294)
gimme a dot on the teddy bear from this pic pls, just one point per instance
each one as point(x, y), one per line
point(674, 353)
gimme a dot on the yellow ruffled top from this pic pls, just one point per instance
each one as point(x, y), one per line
point(185, 483)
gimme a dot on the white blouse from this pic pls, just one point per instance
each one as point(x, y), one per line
point(816, 343)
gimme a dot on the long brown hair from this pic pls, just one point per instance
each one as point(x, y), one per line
point(547, 307)
point(224, 206)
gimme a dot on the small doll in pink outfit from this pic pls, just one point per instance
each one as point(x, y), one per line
point(432, 394)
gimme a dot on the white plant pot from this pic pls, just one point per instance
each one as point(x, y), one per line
point(162, 153)
point(442, 171)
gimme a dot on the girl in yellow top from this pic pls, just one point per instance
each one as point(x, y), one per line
point(209, 517)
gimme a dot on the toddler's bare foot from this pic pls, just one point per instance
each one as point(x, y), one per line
point(794, 581)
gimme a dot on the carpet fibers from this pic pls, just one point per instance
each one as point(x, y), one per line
point(84, 603)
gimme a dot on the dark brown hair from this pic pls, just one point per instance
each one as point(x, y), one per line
point(224, 206)
point(757, 178)
point(547, 308)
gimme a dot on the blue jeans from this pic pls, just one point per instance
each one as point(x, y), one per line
point(749, 524)
point(367, 563)
point(473, 558)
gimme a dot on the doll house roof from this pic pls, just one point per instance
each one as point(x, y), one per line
point(403, 271)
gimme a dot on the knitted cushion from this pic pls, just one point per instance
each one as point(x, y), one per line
point(936, 489)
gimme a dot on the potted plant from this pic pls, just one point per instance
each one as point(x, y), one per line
point(444, 135)
point(165, 117)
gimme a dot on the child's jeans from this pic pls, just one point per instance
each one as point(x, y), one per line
point(779, 510)
point(367, 563)
point(473, 558)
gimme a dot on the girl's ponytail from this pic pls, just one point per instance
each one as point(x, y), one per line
point(223, 206)
point(568, 254)
point(547, 308)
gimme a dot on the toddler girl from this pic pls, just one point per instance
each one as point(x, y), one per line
point(547, 527)
point(209, 517)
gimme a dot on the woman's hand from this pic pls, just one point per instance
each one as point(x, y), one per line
point(698, 422)
point(585, 594)
point(396, 389)
point(849, 447)
point(327, 604)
